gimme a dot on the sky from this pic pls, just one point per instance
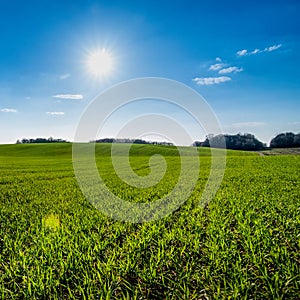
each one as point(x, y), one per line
point(241, 56)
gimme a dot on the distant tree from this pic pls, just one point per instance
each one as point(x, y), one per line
point(235, 142)
point(130, 141)
point(41, 140)
point(197, 144)
point(297, 140)
point(285, 140)
point(139, 141)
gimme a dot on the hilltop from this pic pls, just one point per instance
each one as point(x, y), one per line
point(65, 150)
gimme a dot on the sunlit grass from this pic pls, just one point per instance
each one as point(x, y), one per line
point(54, 244)
point(51, 221)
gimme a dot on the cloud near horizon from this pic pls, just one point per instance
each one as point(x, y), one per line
point(64, 76)
point(248, 124)
point(69, 96)
point(8, 110)
point(211, 80)
point(55, 113)
point(245, 52)
point(294, 123)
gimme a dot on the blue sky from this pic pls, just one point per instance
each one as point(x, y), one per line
point(241, 56)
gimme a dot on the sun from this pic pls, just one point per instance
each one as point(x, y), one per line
point(100, 63)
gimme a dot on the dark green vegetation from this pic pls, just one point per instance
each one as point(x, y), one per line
point(40, 141)
point(55, 245)
point(286, 140)
point(235, 142)
point(131, 141)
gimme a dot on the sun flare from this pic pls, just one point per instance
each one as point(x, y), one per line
point(100, 63)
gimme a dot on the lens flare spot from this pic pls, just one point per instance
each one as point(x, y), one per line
point(51, 221)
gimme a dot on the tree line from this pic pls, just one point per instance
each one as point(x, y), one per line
point(131, 141)
point(104, 140)
point(235, 142)
point(40, 141)
point(286, 140)
point(249, 141)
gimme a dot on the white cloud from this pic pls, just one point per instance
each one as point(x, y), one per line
point(211, 80)
point(218, 59)
point(64, 76)
point(256, 51)
point(8, 110)
point(272, 48)
point(231, 70)
point(242, 52)
point(248, 124)
point(55, 113)
point(69, 96)
point(216, 67)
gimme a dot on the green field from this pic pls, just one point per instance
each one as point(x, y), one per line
point(55, 245)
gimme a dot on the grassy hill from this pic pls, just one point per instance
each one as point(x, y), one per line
point(65, 150)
